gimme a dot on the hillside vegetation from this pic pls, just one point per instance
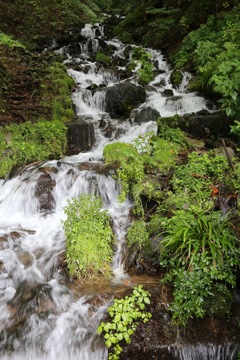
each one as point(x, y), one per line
point(33, 21)
point(199, 36)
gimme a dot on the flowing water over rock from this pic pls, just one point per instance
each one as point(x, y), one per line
point(41, 316)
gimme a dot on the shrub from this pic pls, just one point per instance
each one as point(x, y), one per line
point(89, 237)
point(194, 182)
point(116, 152)
point(131, 170)
point(193, 232)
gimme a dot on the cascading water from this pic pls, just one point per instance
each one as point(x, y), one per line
point(41, 317)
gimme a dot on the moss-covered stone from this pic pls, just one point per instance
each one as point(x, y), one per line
point(176, 78)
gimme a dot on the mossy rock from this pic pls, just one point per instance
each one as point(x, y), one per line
point(176, 78)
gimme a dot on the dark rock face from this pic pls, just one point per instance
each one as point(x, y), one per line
point(43, 193)
point(80, 137)
point(145, 115)
point(167, 92)
point(123, 98)
point(204, 125)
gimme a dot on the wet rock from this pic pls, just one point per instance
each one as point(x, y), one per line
point(196, 144)
point(43, 193)
point(172, 100)
point(205, 125)
point(80, 137)
point(145, 115)
point(127, 51)
point(99, 168)
point(107, 128)
point(15, 235)
point(48, 170)
point(3, 243)
point(25, 258)
point(121, 99)
point(28, 300)
point(167, 92)
point(221, 151)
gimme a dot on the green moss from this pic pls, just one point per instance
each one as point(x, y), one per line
point(57, 88)
point(9, 41)
point(28, 142)
point(118, 152)
point(176, 78)
point(146, 154)
point(103, 58)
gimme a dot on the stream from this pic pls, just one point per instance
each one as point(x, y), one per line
point(42, 316)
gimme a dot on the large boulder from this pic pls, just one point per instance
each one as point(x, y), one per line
point(121, 99)
point(204, 124)
point(80, 137)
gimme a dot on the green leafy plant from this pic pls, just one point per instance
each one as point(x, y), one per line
point(194, 293)
point(131, 170)
point(137, 233)
point(193, 232)
point(200, 252)
point(193, 182)
point(89, 237)
point(168, 130)
point(116, 152)
point(214, 48)
point(125, 314)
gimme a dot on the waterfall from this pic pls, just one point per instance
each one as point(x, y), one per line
point(42, 315)
point(200, 351)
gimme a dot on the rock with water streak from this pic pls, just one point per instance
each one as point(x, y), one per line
point(145, 115)
point(121, 99)
point(80, 137)
point(43, 193)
